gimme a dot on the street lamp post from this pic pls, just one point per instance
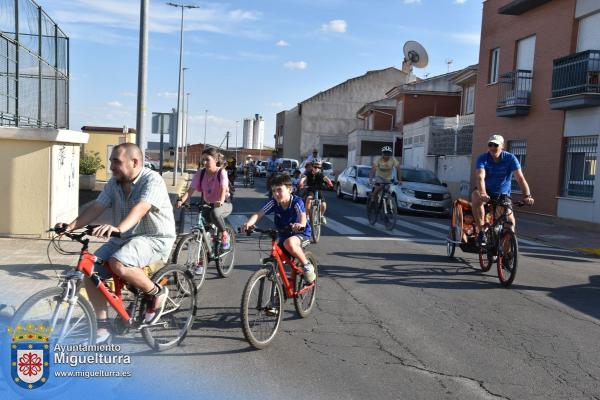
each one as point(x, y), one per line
point(179, 119)
point(140, 137)
point(236, 143)
point(187, 119)
point(205, 117)
point(183, 122)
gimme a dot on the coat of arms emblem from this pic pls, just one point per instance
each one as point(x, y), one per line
point(30, 355)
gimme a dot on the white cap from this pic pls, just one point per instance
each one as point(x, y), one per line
point(498, 139)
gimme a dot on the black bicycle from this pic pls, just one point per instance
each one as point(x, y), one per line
point(315, 216)
point(385, 205)
point(249, 177)
point(202, 245)
point(501, 241)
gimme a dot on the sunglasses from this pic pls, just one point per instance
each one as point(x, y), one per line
point(490, 144)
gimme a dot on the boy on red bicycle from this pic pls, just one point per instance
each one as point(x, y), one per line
point(289, 212)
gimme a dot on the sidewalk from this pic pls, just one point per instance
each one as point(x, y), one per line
point(574, 235)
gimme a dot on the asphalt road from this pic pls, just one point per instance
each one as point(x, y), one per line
point(396, 319)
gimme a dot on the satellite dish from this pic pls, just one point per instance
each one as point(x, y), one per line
point(415, 54)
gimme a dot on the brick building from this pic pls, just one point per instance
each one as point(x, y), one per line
point(538, 87)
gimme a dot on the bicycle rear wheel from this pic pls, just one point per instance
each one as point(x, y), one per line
point(192, 253)
point(262, 308)
point(226, 258)
point(70, 325)
point(390, 213)
point(508, 250)
point(315, 222)
point(305, 302)
point(179, 311)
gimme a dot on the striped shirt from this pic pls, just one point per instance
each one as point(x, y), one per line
point(148, 187)
point(286, 216)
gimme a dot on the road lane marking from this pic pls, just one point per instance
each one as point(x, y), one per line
point(364, 221)
point(395, 239)
point(340, 228)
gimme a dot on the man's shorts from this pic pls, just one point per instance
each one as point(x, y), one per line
point(380, 181)
point(137, 251)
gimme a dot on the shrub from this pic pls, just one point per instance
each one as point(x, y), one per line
point(89, 163)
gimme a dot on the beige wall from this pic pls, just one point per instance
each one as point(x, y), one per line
point(99, 142)
point(38, 179)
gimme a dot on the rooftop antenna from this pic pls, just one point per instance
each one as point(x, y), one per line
point(415, 55)
point(449, 61)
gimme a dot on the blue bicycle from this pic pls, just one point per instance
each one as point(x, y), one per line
point(203, 244)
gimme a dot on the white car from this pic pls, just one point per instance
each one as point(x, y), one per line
point(326, 167)
point(153, 165)
point(261, 168)
point(354, 182)
point(421, 191)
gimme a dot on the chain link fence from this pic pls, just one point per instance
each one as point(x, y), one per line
point(34, 67)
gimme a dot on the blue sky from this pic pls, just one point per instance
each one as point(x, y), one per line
point(248, 57)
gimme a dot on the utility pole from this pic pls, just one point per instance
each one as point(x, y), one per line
point(187, 119)
point(205, 118)
point(179, 119)
point(140, 137)
point(227, 141)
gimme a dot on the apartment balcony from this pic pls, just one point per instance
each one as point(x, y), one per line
point(514, 93)
point(576, 81)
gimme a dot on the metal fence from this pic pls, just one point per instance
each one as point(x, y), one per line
point(576, 73)
point(514, 88)
point(34, 67)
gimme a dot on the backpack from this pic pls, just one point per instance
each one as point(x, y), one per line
point(218, 180)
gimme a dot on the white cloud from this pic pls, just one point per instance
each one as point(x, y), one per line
point(412, 1)
point(336, 25)
point(114, 103)
point(460, 1)
point(466, 38)
point(168, 95)
point(282, 43)
point(295, 65)
point(238, 15)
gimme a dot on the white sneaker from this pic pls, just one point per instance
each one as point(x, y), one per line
point(199, 270)
point(155, 311)
point(309, 272)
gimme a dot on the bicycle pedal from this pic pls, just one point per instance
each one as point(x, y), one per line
point(271, 312)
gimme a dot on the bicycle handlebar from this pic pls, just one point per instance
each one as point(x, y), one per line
point(88, 229)
point(273, 232)
point(198, 205)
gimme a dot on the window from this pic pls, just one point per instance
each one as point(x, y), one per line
point(370, 121)
point(335, 150)
point(469, 98)
point(399, 109)
point(519, 149)
point(580, 166)
point(494, 65)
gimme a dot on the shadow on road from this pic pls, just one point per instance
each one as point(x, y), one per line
point(35, 271)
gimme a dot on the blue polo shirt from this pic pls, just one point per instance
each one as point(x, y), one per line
point(498, 174)
point(286, 216)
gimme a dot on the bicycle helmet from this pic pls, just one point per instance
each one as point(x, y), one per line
point(386, 149)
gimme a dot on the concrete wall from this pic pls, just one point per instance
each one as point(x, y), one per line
point(291, 136)
point(100, 142)
point(418, 106)
point(456, 172)
point(333, 113)
point(39, 179)
point(582, 122)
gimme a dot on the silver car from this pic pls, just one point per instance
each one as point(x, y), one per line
point(354, 181)
point(421, 191)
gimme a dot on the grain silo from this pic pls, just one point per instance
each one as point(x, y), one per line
point(258, 134)
point(248, 133)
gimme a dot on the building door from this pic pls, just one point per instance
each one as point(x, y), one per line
point(109, 149)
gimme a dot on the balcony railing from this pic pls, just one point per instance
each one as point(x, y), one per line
point(514, 93)
point(576, 80)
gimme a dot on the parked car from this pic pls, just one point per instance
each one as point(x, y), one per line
point(422, 191)
point(287, 165)
point(354, 181)
point(153, 165)
point(261, 168)
point(326, 167)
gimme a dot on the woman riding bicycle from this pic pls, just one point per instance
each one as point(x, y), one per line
point(314, 181)
point(382, 170)
point(213, 183)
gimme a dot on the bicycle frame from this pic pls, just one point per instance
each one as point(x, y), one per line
point(203, 230)
point(280, 256)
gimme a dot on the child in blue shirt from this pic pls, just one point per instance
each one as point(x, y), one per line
point(289, 212)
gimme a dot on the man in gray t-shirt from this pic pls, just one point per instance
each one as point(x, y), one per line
point(143, 215)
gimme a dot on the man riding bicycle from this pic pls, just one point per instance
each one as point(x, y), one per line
point(143, 215)
point(248, 168)
point(314, 181)
point(382, 170)
point(493, 176)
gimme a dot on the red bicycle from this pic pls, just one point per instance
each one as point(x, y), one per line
point(270, 286)
point(71, 317)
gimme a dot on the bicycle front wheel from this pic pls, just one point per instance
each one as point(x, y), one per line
point(262, 308)
point(315, 222)
point(70, 324)
point(305, 301)
point(508, 250)
point(390, 213)
point(372, 210)
point(226, 258)
point(179, 311)
point(192, 254)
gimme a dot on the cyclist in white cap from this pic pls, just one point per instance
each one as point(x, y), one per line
point(382, 171)
point(493, 175)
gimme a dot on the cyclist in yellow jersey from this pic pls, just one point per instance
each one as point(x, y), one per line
point(382, 171)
